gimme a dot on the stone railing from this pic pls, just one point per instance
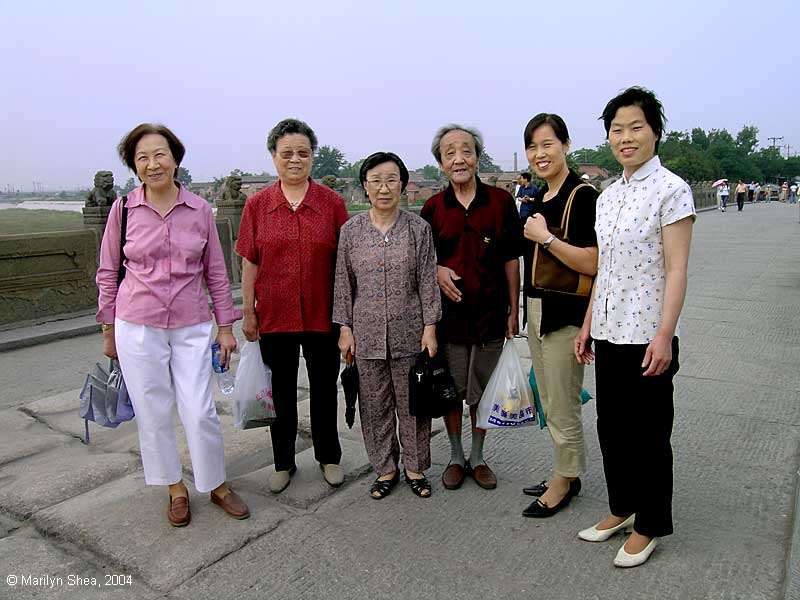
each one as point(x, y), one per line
point(46, 274)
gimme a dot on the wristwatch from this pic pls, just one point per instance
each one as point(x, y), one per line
point(548, 241)
point(106, 326)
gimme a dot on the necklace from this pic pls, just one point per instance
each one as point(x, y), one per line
point(294, 205)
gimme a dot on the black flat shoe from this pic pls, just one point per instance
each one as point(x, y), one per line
point(535, 490)
point(541, 488)
point(538, 510)
point(382, 488)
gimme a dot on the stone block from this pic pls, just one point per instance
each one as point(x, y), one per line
point(124, 522)
point(50, 477)
point(21, 436)
point(308, 485)
point(44, 274)
point(56, 570)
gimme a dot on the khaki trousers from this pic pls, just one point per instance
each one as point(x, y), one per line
point(559, 378)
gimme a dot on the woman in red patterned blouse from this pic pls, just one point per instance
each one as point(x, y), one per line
point(287, 240)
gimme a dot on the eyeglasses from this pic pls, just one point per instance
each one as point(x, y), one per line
point(288, 154)
point(390, 182)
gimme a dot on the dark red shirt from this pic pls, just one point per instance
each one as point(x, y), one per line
point(296, 256)
point(476, 243)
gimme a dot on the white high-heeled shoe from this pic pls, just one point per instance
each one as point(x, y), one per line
point(624, 560)
point(593, 534)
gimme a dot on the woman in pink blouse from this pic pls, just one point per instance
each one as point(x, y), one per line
point(156, 320)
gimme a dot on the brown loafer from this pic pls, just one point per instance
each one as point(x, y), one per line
point(178, 511)
point(232, 504)
point(484, 477)
point(453, 476)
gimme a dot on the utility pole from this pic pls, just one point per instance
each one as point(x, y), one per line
point(775, 139)
point(515, 162)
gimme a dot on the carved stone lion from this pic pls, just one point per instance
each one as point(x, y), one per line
point(103, 192)
point(232, 192)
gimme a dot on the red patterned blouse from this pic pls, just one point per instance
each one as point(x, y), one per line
point(296, 256)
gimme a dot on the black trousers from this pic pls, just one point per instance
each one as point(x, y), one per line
point(634, 425)
point(740, 200)
point(281, 353)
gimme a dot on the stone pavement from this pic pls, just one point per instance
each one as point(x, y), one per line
point(67, 509)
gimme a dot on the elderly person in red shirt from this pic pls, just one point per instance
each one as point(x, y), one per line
point(478, 238)
point(157, 320)
point(287, 239)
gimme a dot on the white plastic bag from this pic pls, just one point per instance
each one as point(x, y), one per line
point(252, 390)
point(507, 401)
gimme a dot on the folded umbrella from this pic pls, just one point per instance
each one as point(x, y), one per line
point(350, 386)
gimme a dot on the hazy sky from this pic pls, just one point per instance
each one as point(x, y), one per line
point(372, 75)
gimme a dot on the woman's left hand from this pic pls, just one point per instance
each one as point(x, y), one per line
point(429, 340)
point(658, 356)
point(227, 344)
point(536, 228)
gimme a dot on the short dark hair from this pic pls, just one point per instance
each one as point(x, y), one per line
point(127, 146)
point(643, 98)
point(556, 122)
point(378, 158)
point(526, 176)
point(288, 127)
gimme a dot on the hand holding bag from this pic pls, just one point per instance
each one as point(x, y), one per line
point(432, 390)
point(507, 402)
point(552, 275)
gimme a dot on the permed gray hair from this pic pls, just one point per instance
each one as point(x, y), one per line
point(444, 130)
point(288, 127)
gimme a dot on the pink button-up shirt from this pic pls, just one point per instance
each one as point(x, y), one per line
point(169, 261)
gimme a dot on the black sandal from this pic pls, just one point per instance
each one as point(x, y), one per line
point(419, 485)
point(383, 487)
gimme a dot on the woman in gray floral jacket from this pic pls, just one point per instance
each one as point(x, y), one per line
point(387, 302)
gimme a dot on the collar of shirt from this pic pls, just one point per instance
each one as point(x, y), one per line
point(137, 198)
point(481, 196)
point(311, 200)
point(643, 172)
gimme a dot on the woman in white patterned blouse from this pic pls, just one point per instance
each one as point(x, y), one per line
point(644, 228)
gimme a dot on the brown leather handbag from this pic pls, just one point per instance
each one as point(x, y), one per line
point(552, 275)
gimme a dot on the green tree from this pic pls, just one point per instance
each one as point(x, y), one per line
point(183, 176)
point(332, 182)
point(486, 164)
point(327, 161)
point(351, 170)
point(431, 172)
point(600, 156)
point(747, 139)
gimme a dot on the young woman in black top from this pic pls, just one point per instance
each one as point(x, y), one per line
point(554, 318)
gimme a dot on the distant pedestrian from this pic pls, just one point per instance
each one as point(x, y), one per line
point(741, 194)
point(793, 193)
point(757, 192)
point(722, 193)
point(525, 193)
point(751, 188)
point(784, 193)
point(644, 228)
point(158, 321)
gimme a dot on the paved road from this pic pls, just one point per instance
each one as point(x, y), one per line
point(66, 509)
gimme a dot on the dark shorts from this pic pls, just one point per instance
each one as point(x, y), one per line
point(471, 367)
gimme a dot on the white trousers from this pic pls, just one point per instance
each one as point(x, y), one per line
point(160, 367)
